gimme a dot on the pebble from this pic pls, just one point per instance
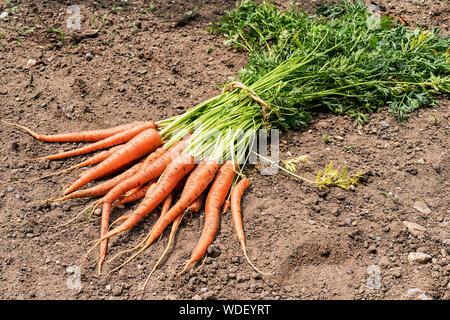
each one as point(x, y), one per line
point(10, 189)
point(214, 251)
point(374, 277)
point(231, 276)
point(422, 207)
point(384, 124)
point(117, 290)
point(74, 280)
point(70, 269)
point(417, 294)
point(31, 63)
point(88, 56)
point(4, 15)
point(418, 258)
point(414, 228)
point(69, 108)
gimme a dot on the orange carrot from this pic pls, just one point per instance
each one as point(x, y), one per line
point(144, 143)
point(118, 138)
point(138, 194)
point(236, 196)
point(154, 155)
point(174, 172)
point(166, 204)
point(196, 183)
point(82, 136)
point(214, 201)
point(226, 205)
point(102, 188)
point(151, 157)
point(196, 205)
point(90, 161)
point(152, 171)
point(97, 158)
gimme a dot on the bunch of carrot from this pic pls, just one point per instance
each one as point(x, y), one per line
point(143, 167)
point(339, 63)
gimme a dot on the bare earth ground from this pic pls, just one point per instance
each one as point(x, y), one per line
point(132, 65)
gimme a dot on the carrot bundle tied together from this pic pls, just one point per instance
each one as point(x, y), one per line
point(154, 173)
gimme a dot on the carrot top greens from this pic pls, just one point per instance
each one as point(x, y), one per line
point(338, 60)
point(355, 65)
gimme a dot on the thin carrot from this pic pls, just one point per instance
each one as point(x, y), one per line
point(138, 194)
point(154, 155)
point(118, 138)
point(174, 172)
point(226, 206)
point(214, 201)
point(236, 196)
point(97, 158)
point(90, 161)
point(166, 204)
point(82, 136)
point(144, 143)
point(196, 205)
point(102, 188)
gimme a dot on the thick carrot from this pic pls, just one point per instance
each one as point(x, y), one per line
point(236, 196)
point(102, 188)
point(118, 138)
point(144, 143)
point(214, 201)
point(150, 157)
point(82, 136)
point(174, 172)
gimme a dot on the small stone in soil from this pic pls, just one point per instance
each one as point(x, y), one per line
point(422, 207)
point(88, 56)
point(418, 258)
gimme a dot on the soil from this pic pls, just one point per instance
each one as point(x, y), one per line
point(126, 63)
